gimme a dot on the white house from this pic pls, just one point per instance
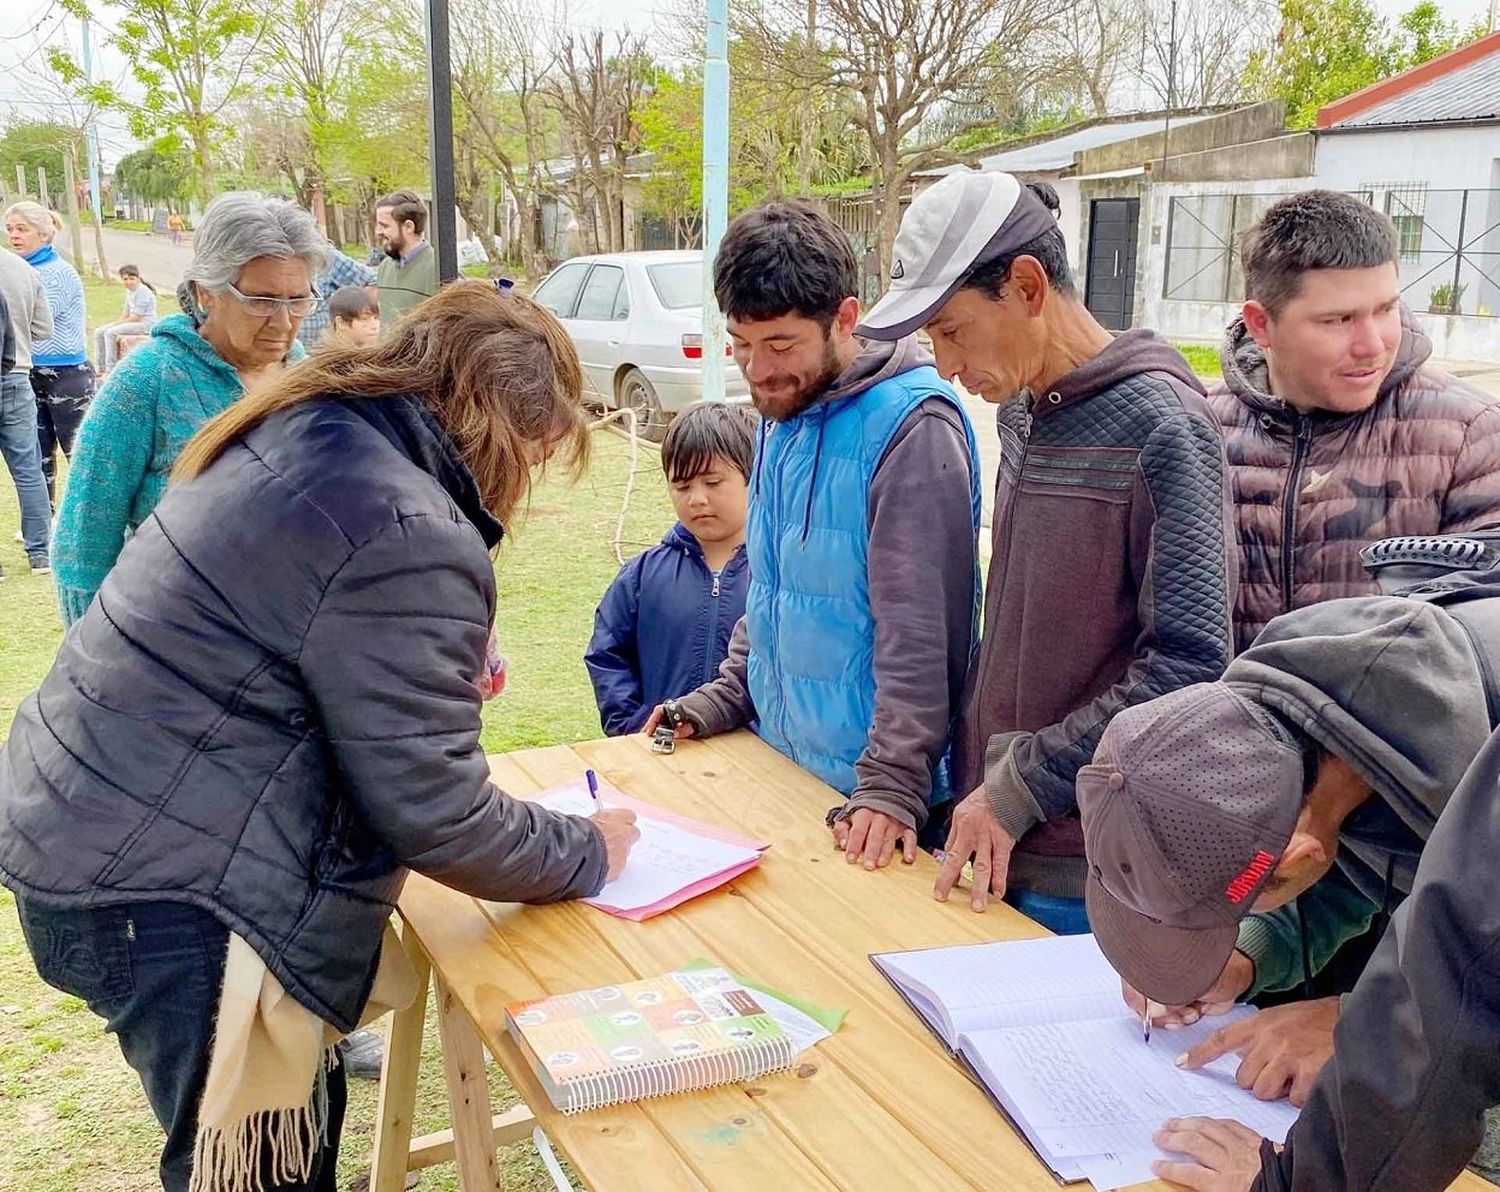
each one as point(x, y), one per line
point(1422, 146)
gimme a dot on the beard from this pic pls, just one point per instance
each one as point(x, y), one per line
point(391, 248)
point(789, 394)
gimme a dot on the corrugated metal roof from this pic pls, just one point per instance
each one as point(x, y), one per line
point(1472, 92)
point(1057, 153)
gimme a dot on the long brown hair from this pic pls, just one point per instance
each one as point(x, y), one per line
point(497, 370)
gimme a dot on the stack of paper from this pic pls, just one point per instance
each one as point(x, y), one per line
point(676, 858)
point(1043, 1027)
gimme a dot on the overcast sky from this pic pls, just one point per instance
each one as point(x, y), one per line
point(23, 86)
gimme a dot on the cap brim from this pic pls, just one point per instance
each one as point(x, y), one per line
point(1171, 965)
point(902, 312)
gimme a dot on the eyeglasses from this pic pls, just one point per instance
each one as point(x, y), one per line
point(266, 308)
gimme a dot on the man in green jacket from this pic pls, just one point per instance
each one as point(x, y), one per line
point(409, 271)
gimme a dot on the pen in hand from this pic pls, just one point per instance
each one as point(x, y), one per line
point(593, 780)
point(1146, 1021)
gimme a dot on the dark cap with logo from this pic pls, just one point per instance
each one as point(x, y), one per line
point(951, 229)
point(1187, 807)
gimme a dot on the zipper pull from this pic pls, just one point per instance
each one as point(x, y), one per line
point(715, 589)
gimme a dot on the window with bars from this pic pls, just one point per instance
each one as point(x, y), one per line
point(1406, 204)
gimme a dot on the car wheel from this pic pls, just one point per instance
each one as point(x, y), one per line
point(635, 391)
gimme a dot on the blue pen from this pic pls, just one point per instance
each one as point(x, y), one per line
point(592, 779)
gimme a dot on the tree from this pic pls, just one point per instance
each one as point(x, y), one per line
point(36, 144)
point(595, 94)
point(189, 57)
point(310, 45)
point(1327, 49)
point(906, 61)
point(159, 173)
point(502, 124)
point(1098, 42)
point(1196, 57)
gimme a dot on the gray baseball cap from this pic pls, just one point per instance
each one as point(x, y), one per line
point(1187, 807)
point(951, 229)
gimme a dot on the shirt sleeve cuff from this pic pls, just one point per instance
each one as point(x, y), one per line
point(1260, 943)
point(1011, 800)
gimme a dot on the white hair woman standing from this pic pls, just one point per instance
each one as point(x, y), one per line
point(251, 282)
point(61, 375)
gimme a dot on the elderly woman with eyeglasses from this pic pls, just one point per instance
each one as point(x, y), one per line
point(251, 285)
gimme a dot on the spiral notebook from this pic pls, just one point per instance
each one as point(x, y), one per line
point(686, 1030)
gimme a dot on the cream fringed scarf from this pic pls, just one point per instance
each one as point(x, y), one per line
point(266, 1090)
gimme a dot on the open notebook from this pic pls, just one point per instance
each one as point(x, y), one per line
point(676, 858)
point(1041, 1025)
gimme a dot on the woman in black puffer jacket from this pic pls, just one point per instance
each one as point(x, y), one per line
point(270, 713)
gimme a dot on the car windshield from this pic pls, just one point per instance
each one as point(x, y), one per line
point(678, 285)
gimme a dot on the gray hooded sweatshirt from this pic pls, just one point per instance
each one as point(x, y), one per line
point(923, 564)
point(1393, 685)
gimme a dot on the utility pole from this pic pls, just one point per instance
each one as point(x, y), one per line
point(1166, 131)
point(444, 230)
point(715, 189)
point(70, 205)
point(91, 147)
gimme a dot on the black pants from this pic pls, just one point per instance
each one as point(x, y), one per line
point(153, 971)
point(62, 398)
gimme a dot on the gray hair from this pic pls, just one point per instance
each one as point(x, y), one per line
point(37, 216)
point(241, 225)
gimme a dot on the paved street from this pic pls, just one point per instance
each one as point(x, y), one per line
point(157, 259)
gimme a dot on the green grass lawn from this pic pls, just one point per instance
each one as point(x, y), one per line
point(72, 1115)
point(1202, 358)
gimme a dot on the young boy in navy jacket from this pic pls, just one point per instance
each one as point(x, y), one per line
point(663, 626)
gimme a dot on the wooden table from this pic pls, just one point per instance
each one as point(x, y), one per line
point(879, 1105)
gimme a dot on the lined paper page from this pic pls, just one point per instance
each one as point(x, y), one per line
point(1064, 979)
point(1085, 1088)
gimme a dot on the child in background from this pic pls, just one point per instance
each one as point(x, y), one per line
point(353, 317)
point(663, 626)
point(136, 319)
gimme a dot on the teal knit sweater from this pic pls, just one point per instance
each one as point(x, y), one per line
point(153, 402)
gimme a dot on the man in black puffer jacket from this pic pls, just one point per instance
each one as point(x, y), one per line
point(269, 713)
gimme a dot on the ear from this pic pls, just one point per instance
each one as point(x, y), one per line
point(1028, 283)
point(847, 317)
point(1257, 322)
point(1302, 849)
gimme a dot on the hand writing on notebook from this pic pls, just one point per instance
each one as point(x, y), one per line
point(1238, 973)
point(975, 832)
point(1282, 1049)
point(1225, 1156)
point(617, 826)
point(871, 836)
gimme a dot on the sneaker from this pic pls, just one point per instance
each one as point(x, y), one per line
point(40, 563)
point(361, 1053)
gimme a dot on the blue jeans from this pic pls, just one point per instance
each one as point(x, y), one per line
point(1064, 916)
point(23, 456)
point(153, 971)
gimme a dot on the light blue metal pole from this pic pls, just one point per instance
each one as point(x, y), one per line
point(715, 188)
point(91, 143)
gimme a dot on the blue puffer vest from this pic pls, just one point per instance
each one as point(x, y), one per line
point(812, 634)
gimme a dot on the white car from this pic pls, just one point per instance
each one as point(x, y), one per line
point(636, 319)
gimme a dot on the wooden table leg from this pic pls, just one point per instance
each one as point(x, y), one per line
point(468, 1096)
point(399, 1070)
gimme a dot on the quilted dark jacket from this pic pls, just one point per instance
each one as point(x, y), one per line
point(1311, 489)
point(269, 711)
point(1110, 583)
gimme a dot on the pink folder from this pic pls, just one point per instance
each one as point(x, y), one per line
point(695, 827)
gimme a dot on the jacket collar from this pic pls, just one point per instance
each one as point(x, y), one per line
point(681, 538)
point(409, 425)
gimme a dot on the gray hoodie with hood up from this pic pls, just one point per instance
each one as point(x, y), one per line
point(1394, 685)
